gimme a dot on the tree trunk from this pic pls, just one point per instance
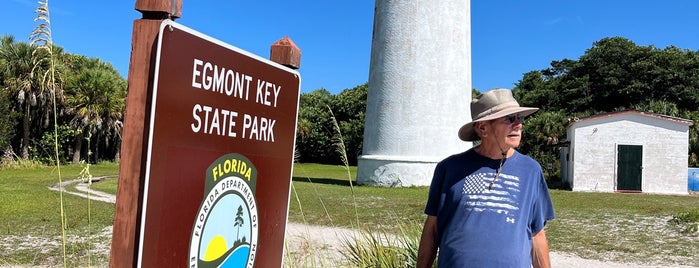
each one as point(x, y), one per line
point(95, 155)
point(25, 131)
point(117, 156)
point(78, 148)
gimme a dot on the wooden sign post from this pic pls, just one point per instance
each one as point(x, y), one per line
point(207, 154)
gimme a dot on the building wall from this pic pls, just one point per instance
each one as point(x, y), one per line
point(419, 90)
point(593, 152)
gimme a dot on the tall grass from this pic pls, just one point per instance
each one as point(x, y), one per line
point(382, 249)
point(42, 56)
point(308, 237)
point(369, 248)
point(339, 143)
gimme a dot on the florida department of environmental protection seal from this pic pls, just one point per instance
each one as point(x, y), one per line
point(225, 228)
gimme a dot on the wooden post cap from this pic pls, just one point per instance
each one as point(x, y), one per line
point(171, 7)
point(286, 53)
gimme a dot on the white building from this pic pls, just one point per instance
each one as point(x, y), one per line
point(627, 151)
point(419, 90)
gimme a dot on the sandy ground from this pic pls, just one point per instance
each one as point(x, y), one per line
point(320, 246)
point(327, 242)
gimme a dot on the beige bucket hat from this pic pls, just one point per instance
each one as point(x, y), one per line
point(490, 105)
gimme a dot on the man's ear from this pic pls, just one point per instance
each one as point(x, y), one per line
point(481, 128)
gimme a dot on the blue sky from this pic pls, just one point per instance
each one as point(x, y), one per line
point(509, 38)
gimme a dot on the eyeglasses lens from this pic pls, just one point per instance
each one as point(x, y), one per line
point(509, 119)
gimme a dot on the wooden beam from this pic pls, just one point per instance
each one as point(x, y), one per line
point(131, 170)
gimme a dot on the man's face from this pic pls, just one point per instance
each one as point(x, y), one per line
point(507, 130)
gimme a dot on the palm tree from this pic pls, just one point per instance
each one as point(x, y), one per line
point(16, 58)
point(30, 75)
point(95, 102)
point(112, 109)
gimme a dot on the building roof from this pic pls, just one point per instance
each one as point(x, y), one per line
point(636, 112)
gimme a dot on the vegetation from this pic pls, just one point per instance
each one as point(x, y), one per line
point(56, 107)
point(371, 249)
point(315, 128)
point(30, 218)
point(614, 75)
point(89, 98)
point(605, 226)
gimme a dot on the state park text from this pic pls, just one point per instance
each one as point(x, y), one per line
point(216, 79)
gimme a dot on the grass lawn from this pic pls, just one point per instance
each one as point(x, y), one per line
point(322, 195)
point(30, 216)
point(604, 226)
point(617, 227)
point(623, 227)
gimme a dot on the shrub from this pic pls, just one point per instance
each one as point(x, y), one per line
point(687, 222)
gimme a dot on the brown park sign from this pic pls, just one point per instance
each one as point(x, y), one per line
point(219, 155)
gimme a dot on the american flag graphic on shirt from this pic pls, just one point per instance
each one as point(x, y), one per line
point(501, 199)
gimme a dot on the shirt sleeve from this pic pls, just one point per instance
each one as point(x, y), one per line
point(543, 207)
point(434, 198)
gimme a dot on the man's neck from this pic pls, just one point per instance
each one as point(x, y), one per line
point(492, 151)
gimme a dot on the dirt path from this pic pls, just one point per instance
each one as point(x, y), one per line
point(320, 246)
point(84, 191)
point(327, 241)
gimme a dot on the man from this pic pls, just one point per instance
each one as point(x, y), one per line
point(487, 207)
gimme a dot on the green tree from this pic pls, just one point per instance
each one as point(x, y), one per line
point(314, 138)
point(16, 58)
point(614, 75)
point(95, 101)
point(349, 108)
point(543, 134)
point(315, 131)
point(693, 136)
point(239, 221)
point(7, 119)
point(659, 107)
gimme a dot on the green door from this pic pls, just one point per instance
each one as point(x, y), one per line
point(629, 165)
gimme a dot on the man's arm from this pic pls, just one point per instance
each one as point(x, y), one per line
point(427, 251)
point(540, 250)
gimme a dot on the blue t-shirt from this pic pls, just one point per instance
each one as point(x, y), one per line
point(479, 226)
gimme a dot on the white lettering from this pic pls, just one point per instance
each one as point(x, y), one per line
point(265, 90)
point(217, 121)
point(207, 78)
point(258, 128)
point(207, 109)
point(196, 73)
point(231, 124)
point(214, 124)
point(260, 85)
point(277, 89)
point(195, 115)
point(221, 80)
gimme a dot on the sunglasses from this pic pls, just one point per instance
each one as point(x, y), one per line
point(510, 118)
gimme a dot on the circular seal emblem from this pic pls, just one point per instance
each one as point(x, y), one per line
point(225, 229)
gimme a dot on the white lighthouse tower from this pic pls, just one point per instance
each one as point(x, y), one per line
point(419, 90)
